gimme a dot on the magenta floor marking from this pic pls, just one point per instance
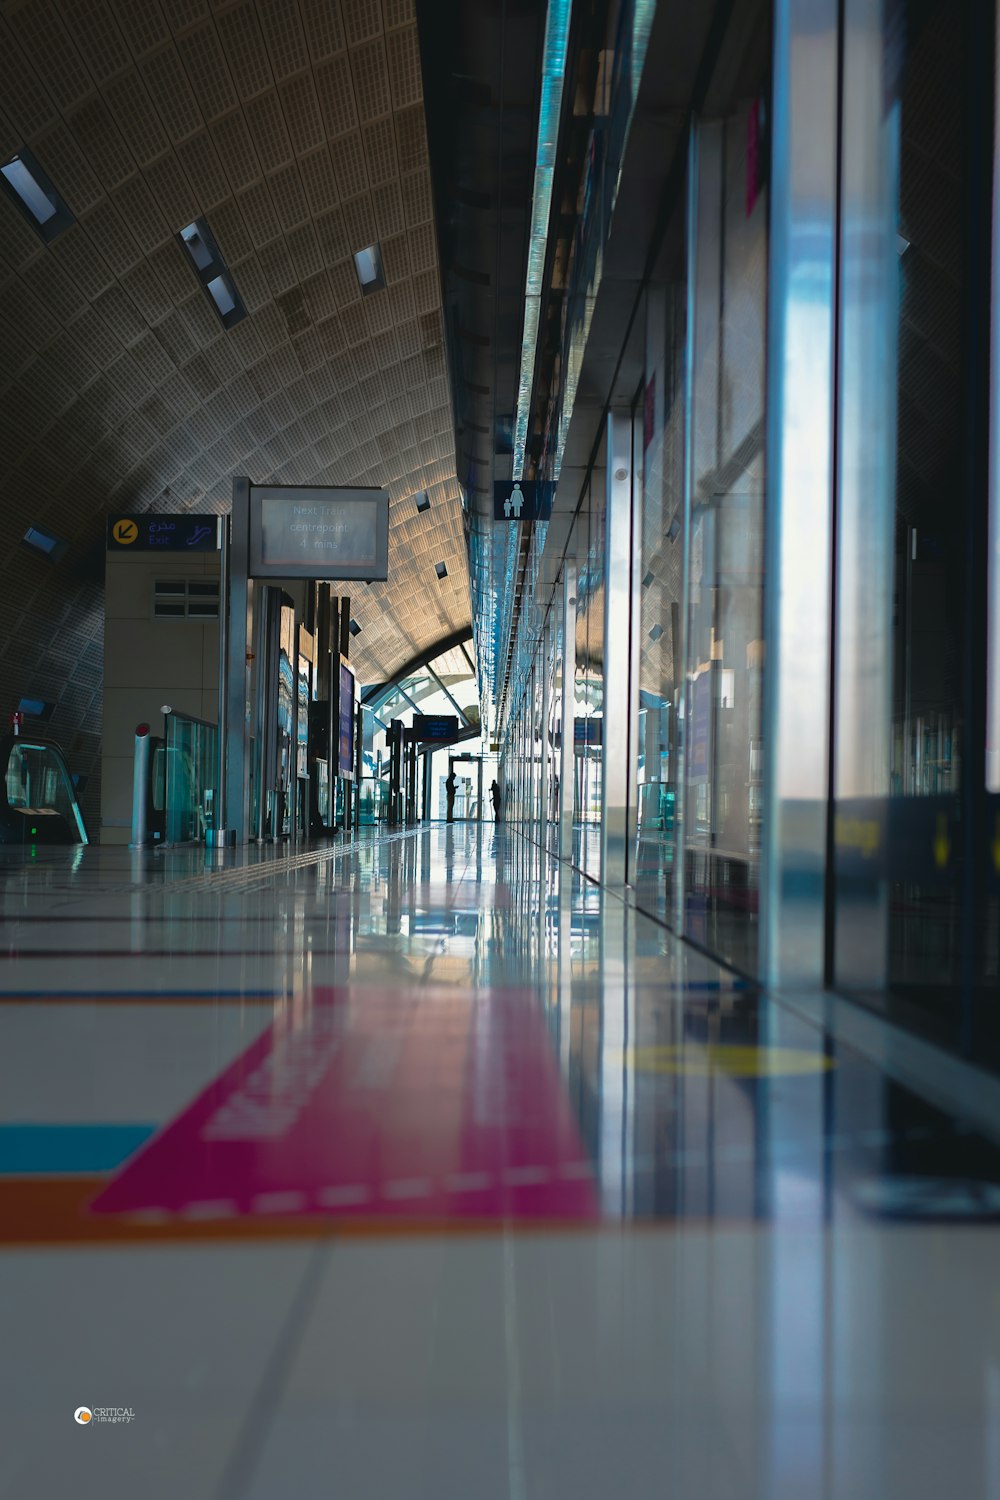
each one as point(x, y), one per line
point(419, 1104)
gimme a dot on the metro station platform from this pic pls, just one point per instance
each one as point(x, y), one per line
point(418, 1167)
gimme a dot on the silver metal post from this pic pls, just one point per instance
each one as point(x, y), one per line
point(140, 786)
point(237, 721)
point(215, 837)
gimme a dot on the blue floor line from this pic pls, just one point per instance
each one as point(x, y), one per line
point(39, 1149)
point(133, 994)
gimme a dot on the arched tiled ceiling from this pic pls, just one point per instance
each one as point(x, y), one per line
point(296, 128)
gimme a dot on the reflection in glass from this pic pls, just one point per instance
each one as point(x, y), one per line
point(725, 598)
point(589, 692)
point(913, 236)
point(191, 752)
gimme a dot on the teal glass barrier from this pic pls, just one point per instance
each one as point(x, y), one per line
point(373, 801)
point(191, 770)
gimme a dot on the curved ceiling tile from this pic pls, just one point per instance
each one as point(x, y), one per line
point(297, 131)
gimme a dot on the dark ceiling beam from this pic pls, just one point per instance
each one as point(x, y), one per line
point(446, 643)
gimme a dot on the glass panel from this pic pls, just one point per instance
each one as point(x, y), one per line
point(38, 783)
point(589, 676)
point(192, 769)
point(553, 736)
point(908, 711)
point(660, 596)
point(725, 616)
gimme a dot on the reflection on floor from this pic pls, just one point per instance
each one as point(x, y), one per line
point(417, 1168)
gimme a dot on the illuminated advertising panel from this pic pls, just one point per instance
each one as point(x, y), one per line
point(345, 738)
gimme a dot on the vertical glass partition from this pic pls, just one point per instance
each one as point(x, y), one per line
point(910, 708)
point(588, 723)
point(192, 770)
point(660, 594)
point(722, 815)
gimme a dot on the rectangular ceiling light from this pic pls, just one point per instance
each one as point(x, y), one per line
point(213, 273)
point(222, 294)
point(368, 264)
point(31, 190)
point(196, 247)
point(40, 541)
point(36, 708)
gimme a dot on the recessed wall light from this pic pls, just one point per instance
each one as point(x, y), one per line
point(368, 265)
point(213, 273)
point(30, 188)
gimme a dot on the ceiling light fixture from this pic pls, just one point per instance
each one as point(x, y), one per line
point(36, 708)
point(40, 541)
point(213, 273)
point(30, 189)
point(368, 265)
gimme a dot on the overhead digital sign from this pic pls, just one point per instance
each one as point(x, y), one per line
point(434, 727)
point(321, 532)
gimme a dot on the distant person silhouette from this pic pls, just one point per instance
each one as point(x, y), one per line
point(495, 794)
point(450, 788)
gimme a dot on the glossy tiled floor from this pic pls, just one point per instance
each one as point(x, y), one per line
point(413, 1169)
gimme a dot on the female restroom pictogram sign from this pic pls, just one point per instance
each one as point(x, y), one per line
point(521, 500)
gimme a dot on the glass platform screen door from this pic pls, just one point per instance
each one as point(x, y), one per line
point(468, 771)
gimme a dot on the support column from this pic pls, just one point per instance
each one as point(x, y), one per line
point(237, 684)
